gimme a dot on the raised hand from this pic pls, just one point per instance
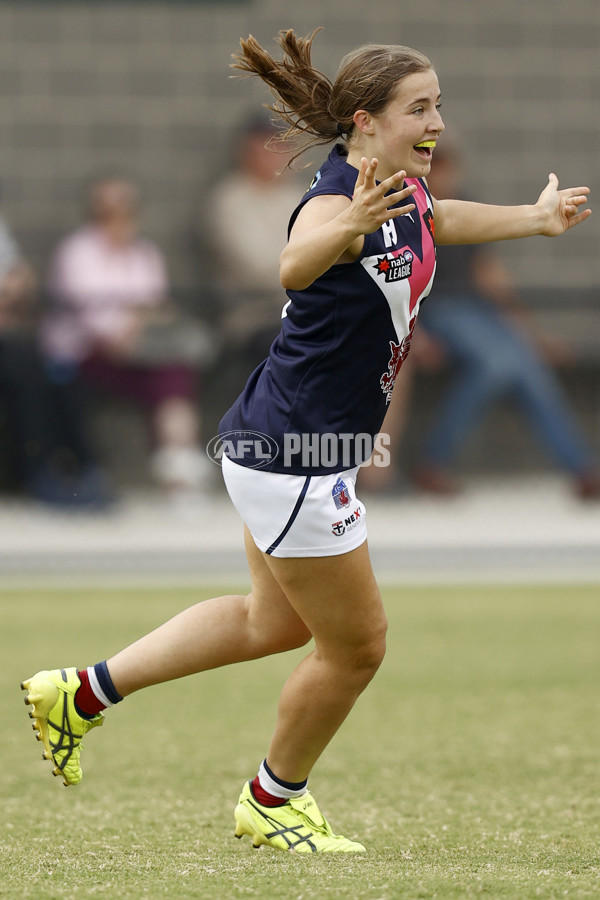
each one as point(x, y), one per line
point(370, 206)
point(561, 208)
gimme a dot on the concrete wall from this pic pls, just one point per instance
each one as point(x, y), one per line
point(86, 86)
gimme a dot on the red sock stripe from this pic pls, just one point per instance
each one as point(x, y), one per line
point(263, 797)
point(85, 699)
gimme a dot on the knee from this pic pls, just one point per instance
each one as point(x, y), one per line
point(293, 638)
point(370, 655)
point(497, 372)
point(280, 637)
point(275, 631)
point(361, 658)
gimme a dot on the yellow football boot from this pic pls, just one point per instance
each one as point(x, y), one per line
point(297, 826)
point(56, 721)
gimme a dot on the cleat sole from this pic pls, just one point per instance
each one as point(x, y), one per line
point(41, 705)
point(245, 826)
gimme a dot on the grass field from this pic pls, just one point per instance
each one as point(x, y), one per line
point(469, 768)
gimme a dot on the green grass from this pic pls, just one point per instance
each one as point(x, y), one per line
point(469, 768)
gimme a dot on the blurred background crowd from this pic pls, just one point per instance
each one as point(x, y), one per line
point(143, 213)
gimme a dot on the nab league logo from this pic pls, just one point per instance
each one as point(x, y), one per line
point(340, 494)
point(395, 268)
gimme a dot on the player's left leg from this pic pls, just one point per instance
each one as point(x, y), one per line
point(338, 598)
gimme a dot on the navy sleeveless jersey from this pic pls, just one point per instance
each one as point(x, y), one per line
point(332, 368)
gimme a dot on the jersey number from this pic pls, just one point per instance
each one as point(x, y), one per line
point(388, 230)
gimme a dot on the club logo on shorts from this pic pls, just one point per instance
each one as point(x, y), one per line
point(340, 494)
point(352, 520)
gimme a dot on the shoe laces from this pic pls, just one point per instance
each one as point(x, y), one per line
point(307, 807)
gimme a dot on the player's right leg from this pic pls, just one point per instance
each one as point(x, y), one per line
point(214, 633)
point(210, 634)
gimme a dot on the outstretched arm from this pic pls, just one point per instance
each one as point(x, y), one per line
point(462, 222)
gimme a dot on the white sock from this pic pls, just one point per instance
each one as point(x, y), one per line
point(97, 688)
point(277, 788)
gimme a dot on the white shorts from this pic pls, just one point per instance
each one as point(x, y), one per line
point(298, 515)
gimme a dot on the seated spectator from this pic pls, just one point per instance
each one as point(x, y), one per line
point(475, 321)
point(49, 457)
point(248, 214)
point(109, 295)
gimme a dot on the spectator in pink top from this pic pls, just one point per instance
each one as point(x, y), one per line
point(109, 289)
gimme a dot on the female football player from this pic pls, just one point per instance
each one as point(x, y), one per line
point(359, 260)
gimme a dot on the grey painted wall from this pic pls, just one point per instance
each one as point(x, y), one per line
point(86, 86)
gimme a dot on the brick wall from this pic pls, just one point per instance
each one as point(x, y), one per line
point(144, 87)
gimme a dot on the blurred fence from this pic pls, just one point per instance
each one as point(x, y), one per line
point(145, 87)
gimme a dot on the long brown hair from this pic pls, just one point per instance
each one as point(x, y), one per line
point(314, 109)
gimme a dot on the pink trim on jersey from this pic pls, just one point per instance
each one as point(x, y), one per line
point(421, 268)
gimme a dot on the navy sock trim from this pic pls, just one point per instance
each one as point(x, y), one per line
point(288, 785)
point(291, 519)
point(105, 682)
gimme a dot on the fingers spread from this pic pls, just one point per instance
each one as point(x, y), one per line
point(364, 162)
point(397, 196)
point(370, 172)
point(395, 213)
point(579, 195)
point(575, 220)
point(393, 180)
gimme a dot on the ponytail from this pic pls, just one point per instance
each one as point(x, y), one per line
point(311, 105)
point(302, 93)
